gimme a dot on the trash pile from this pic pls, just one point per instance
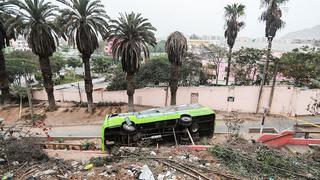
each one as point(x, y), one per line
point(148, 164)
point(23, 159)
point(259, 161)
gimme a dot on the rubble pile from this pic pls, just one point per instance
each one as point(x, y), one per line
point(22, 159)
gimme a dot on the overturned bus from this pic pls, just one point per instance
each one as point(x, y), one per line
point(181, 123)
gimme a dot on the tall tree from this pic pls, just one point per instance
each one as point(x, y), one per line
point(246, 65)
point(176, 48)
point(4, 82)
point(131, 34)
point(301, 67)
point(42, 34)
point(83, 21)
point(101, 64)
point(20, 64)
point(216, 55)
point(272, 18)
point(232, 15)
point(74, 63)
point(5, 36)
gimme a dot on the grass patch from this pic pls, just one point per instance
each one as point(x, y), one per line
point(69, 79)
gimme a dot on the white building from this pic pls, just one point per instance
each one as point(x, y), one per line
point(20, 45)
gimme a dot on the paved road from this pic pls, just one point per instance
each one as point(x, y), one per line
point(97, 82)
point(95, 130)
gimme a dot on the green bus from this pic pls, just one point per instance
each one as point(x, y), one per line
point(179, 122)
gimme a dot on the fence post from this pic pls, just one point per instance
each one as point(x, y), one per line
point(79, 93)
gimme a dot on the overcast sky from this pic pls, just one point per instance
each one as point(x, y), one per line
point(205, 17)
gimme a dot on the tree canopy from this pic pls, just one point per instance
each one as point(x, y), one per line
point(272, 17)
point(101, 64)
point(302, 66)
point(246, 65)
point(232, 14)
point(131, 34)
point(83, 22)
point(20, 63)
point(176, 47)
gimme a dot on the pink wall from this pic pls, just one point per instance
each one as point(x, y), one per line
point(287, 100)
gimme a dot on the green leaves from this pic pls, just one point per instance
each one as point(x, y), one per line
point(301, 65)
point(101, 64)
point(82, 22)
point(232, 14)
point(272, 17)
point(36, 24)
point(154, 72)
point(74, 62)
point(20, 63)
point(260, 162)
point(131, 34)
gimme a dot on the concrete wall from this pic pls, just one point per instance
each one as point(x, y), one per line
point(287, 100)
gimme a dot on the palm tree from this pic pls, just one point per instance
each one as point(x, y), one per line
point(232, 14)
point(4, 41)
point(131, 34)
point(176, 48)
point(83, 21)
point(272, 17)
point(42, 34)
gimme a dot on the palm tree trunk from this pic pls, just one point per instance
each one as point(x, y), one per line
point(130, 91)
point(229, 65)
point(265, 73)
point(4, 82)
point(174, 77)
point(267, 61)
point(275, 72)
point(88, 81)
point(47, 81)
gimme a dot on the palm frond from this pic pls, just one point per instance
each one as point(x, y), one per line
point(35, 23)
point(176, 47)
point(232, 14)
point(272, 17)
point(83, 21)
point(131, 34)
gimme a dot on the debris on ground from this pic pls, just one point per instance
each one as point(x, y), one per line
point(146, 173)
point(88, 167)
point(228, 161)
point(259, 161)
point(21, 158)
point(22, 150)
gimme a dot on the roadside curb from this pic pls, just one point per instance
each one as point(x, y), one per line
point(67, 125)
point(74, 124)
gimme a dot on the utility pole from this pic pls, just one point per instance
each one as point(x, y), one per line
point(28, 91)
